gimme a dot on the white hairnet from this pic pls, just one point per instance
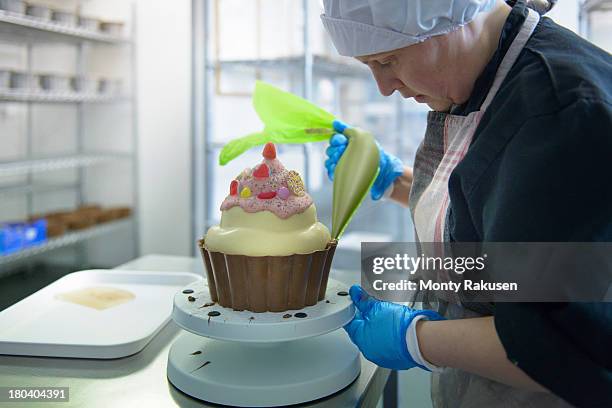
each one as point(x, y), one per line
point(364, 27)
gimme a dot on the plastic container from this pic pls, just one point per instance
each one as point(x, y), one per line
point(112, 28)
point(11, 238)
point(39, 12)
point(13, 6)
point(89, 23)
point(19, 80)
point(55, 83)
point(15, 236)
point(112, 214)
point(55, 229)
point(64, 17)
point(34, 232)
point(79, 221)
point(108, 86)
point(5, 78)
point(85, 85)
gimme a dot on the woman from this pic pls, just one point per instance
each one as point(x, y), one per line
point(516, 149)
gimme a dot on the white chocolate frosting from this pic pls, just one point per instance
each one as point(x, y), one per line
point(263, 233)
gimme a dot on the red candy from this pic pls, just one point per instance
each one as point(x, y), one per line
point(269, 151)
point(262, 171)
point(266, 195)
point(234, 187)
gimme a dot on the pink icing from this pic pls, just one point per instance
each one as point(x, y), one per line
point(283, 208)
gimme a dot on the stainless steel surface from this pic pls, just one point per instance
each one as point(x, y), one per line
point(140, 380)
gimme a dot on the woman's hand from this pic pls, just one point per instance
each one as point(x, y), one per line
point(391, 168)
point(379, 330)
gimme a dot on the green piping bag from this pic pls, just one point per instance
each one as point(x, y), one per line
point(288, 118)
point(353, 177)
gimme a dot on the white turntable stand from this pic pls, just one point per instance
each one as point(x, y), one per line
point(262, 359)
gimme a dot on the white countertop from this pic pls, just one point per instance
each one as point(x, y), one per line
point(140, 380)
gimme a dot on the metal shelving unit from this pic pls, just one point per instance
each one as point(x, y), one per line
point(16, 95)
point(306, 68)
point(18, 189)
point(63, 241)
point(321, 66)
point(37, 165)
point(40, 30)
point(28, 31)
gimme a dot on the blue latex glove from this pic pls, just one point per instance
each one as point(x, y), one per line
point(390, 166)
point(379, 330)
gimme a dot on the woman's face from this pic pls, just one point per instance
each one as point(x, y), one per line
point(418, 71)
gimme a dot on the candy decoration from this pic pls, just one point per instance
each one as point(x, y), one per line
point(269, 151)
point(266, 195)
point(295, 183)
point(245, 193)
point(283, 193)
point(234, 187)
point(262, 171)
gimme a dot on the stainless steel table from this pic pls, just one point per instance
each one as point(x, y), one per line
point(140, 380)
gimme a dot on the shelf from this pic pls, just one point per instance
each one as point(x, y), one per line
point(13, 168)
point(16, 189)
point(40, 29)
point(65, 240)
point(323, 66)
point(13, 95)
point(591, 6)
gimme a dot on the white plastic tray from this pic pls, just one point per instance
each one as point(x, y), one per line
point(43, 325)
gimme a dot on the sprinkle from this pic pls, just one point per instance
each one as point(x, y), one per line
point(262, 171)
point(269, 151)
point(245, 193)
point(295, 183)
point(283, 193)
point(266, 195)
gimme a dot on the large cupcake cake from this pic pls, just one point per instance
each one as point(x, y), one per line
point(269, 252)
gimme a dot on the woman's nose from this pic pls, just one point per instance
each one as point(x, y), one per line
point(387, 81)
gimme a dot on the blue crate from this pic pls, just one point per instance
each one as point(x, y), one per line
point(15, 236)
point(35, 232)
point(11, 237)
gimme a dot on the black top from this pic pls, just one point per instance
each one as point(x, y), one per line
point(540, 170)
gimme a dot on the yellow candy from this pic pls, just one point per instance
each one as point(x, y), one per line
point(295, 183)
point(245, 193)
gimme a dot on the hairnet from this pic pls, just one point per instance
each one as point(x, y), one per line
point(364, 27)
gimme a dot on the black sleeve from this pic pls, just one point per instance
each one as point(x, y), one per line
point(554, 183)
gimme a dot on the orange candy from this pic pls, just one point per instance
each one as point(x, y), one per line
point(269, 151)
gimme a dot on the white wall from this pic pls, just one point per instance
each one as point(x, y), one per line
point(164, 85)
point(565, 13)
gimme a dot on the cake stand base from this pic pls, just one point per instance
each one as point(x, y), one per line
point(263, 375)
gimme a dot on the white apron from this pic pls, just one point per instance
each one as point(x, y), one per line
point(446, 143)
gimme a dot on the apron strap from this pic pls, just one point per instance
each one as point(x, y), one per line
point(511, 56)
